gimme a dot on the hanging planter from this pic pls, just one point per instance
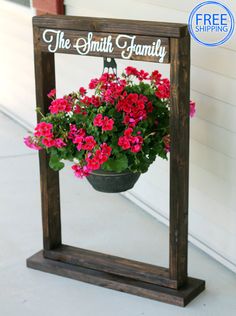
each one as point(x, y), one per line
point(111, 134)
point(112, 182)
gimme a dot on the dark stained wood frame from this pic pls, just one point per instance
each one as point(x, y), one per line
point(171, 285)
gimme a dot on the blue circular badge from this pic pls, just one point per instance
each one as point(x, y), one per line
point(211, 23)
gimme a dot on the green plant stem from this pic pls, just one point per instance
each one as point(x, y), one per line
point(151, 134)
point(39, 111)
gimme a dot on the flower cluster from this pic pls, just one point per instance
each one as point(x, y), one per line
point(60, 105)
point(134, 106)
point(43, 133)
point(95, 155)
point(192, 108)
point(104, 122)
point(121, 124)
point(93, 161)
point(134, 143)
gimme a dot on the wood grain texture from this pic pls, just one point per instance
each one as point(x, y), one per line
point(49, 179)
point(179, 157)
point(180, 297)
point(73, 36)
point(112, 264)
point(136, 27)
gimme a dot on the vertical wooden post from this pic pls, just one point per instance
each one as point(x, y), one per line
point(49, 179)
point(179, 157)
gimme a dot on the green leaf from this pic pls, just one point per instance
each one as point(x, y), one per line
point(120, 164)
point(79, 155)
point(55, 163)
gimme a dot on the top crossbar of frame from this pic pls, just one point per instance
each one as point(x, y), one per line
point(136, 27)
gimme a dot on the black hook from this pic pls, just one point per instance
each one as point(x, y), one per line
point(109, 63)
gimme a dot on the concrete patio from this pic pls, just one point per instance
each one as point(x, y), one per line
point(107, 223)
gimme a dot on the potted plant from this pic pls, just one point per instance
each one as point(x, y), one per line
point(112, 134)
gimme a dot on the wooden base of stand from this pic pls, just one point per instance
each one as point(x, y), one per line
point(180, 297)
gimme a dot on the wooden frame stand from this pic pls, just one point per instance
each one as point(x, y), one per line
point(158, 42)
